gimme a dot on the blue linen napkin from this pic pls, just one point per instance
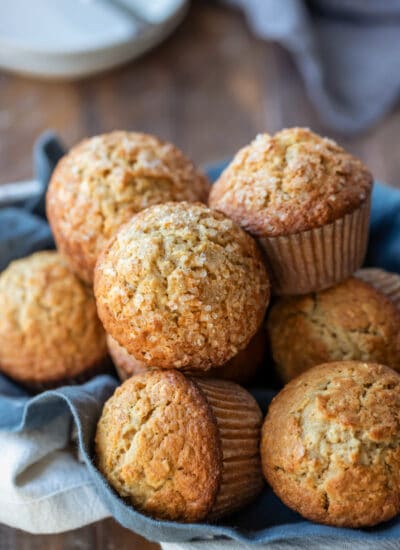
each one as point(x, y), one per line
point(267, 519)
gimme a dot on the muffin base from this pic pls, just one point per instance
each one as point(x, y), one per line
point(122, 374)
point(319, 258)
point(238, 418)
point(102, 367)
point(241, 368)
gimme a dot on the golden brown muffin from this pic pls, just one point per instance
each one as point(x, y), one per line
point(351, 321)
point(288, 189)
point(330, 444)
point(49, 329)
point(386, 282)
point(181, 286)
point(181, 449)
point(241, 369)
point(103, 181)
point(289, 183)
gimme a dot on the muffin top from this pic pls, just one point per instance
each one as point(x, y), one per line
point(351, 321)
point(49, 329)
point(290, 182)
point(331, 444)
point(106, 179)
point(241, 368)
point(181, 286)
point(157, 443)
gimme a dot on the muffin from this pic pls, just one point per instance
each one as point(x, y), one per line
point(351, 321)
point(307, 201)
point(330, 444)
point(181, 286)
point(241, 369)
point(386, 282)
point(180, 449)
point(125, 365)
point(49, 330)
point(103, 181)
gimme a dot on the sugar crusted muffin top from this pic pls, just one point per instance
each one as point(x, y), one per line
point(331, 444)
point(49, 329)
point(106, 179)
point(181, 286)
point(241, 368)
point(351, 321)
point(158, 445)
point(290, 182)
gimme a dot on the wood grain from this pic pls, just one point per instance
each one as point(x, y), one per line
point(209, 88)
point(103, 535)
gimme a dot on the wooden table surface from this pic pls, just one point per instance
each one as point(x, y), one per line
point(209, 88)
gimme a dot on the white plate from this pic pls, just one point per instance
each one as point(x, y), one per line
point(76, 38)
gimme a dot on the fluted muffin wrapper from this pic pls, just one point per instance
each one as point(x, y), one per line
point(239, 423)
point(318, 258)
point(385, 282)
point(228, 372)
point(122, 374)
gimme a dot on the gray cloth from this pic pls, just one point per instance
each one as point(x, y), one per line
point(25, 229)
point(347, 52)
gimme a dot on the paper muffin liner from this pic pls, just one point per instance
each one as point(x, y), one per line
point(385, 282)
point(243, 367)
point(125, 364)
point(122, 374)
point(319, 258)
point(230, 371)
point(239, 420)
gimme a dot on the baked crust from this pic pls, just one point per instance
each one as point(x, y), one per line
point(181, 286)
point(241, 368)
point(49, 329)
point(331, 447)
point(157, 444)
point(351, 321)
point(104, 180)
point(290, 182)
